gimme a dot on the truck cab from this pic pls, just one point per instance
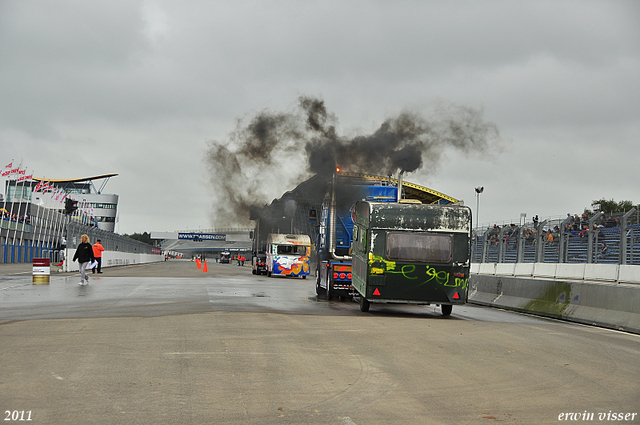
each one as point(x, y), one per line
point(334, 269)
point(288, 255)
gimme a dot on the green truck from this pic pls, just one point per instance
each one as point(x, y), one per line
point(411, 253)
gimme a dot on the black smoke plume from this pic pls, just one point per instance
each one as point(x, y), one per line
point(273, 152)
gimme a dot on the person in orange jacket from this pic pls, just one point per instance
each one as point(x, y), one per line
point(97, 253)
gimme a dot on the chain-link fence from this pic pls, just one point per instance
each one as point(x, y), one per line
point(601, 238)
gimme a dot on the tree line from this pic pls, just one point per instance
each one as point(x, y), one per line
point(610, 207)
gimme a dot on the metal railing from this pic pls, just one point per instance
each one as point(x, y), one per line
point(603, 239)
point(50, 231)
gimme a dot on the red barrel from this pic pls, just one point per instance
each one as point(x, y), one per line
point(41, 271)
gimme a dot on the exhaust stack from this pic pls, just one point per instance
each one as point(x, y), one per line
point(332, 221)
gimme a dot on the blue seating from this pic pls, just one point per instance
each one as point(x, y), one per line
point(576, 248)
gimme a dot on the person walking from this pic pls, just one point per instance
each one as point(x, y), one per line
point(84, 255)
point(97, 253)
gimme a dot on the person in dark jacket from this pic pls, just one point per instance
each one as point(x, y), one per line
point(84, 255)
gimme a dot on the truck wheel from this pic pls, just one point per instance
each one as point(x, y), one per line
point(446, 309)
point(364, 304)
point(319, 290)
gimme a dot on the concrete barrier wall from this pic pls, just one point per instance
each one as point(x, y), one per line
point(610, 305)
point(629, 274)
point(586, 272)
point(112, 258)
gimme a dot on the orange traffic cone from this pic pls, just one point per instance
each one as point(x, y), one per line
point(204, 268)
point(198, 263)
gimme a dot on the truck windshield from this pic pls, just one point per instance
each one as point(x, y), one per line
point(291, 250)
point(423, 247)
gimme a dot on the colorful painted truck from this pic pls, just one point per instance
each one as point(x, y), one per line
point(333, 272)
point(288, 255)
point(411, 253)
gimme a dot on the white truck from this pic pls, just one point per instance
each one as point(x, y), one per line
point(288, 255)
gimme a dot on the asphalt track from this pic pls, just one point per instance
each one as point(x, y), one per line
point(169, 344)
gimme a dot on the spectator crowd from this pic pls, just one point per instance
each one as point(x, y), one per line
point(574, 226)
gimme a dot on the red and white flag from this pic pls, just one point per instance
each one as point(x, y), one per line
point(7, 169)
point(54, 189)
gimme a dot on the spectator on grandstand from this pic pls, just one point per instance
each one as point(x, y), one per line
point(585, 231)
point(603, 250)
point(576, 223)
point(529, 235)
point(611, 222)
point(493, 235)
point(535, 222)
point(549, 237)
point(568, 227)
point(511, 233)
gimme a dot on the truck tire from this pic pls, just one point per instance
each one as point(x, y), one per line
point(446, 309)
point(319, 290)
point(364, 304)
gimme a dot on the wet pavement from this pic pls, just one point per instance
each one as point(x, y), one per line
point(179, 287)
point(169, 344)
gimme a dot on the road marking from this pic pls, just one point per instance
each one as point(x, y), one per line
point(15, 286)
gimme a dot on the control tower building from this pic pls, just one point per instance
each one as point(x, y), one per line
point(103, 208)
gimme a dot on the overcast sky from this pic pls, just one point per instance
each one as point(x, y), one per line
point(141, 89)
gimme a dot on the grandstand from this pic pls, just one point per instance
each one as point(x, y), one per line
point(552, 242)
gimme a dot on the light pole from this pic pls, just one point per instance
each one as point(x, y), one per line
point(479, 190)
